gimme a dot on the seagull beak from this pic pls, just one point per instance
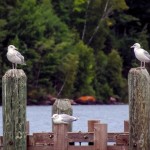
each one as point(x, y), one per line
point(132, 46)
point(16, 48)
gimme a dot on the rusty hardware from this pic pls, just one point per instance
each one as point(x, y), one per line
point(85, 137)
point(51, 136)
point(10, 143)
point(134, 145)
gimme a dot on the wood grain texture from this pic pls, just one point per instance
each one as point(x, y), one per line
point(139, 109)
point(60, 137)
point(100, 136)
point(14, 95)
point(63, 106)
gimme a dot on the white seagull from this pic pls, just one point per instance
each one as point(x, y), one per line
point(14, 56)
point(142, 55)
point(63, 118)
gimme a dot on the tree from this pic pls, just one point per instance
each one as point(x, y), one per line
point(114, 74)
point(102, 87)
point(86, 72)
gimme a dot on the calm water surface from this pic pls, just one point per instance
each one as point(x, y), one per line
point(40, 117)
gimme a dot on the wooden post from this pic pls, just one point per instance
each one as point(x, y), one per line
point(62, 106)
point(139, 109)
point(14, 109)
point(100, 136)
point(126, 126)
point(60, 137)
point(91, 127)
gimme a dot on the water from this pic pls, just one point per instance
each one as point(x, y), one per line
point(114, 115)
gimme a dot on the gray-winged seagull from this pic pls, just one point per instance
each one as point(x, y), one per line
point(141, 54)
point(14, 56)
point(63, 118)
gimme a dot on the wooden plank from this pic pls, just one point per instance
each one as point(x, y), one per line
point(1, 147)
point(43, 138)
point(110, 147)
point(80, 147)
point(112, 137)
point(122, 140)
point(126, 125)
point(100, 136)
point(27, 127)
point(40, 148)
point(80, 137)
point(1, 140)
point(30, 140)
point(60, 136)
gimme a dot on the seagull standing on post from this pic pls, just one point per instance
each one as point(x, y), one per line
point(142, 55)
point(14, 56)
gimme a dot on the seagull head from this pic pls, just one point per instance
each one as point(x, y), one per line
point(136, 45)
point(55, 116)
point(12, 47)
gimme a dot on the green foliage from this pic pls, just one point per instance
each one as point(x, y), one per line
point(69, 45)
point(86, 72)
point(114, 73)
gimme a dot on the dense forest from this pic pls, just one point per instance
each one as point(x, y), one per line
point(74, 48)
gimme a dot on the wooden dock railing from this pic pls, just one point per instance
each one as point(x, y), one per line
point(61, 139)
point(15, 137)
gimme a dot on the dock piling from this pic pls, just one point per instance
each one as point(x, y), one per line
point(14, 109)
point(139, 109)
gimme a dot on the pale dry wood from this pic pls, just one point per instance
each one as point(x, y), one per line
point(14, 96)
point(139, 109)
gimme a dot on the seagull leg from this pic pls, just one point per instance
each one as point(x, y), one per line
point(141, 65)
point(144, 64)
point(13, 68)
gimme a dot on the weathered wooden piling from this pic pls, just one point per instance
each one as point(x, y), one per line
point(14, 110)
point(139, 109)
point(62, 106)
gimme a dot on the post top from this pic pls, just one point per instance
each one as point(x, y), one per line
point(14, 73)
point(139, 70)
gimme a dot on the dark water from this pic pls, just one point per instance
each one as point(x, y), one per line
point(114, 115)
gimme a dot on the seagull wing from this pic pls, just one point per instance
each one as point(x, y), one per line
point(67, 118)
point(147, 54)
point(18, 54)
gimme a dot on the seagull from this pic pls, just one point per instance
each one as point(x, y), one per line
point(63, 118)
point(141, 54)
point(14, 56)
